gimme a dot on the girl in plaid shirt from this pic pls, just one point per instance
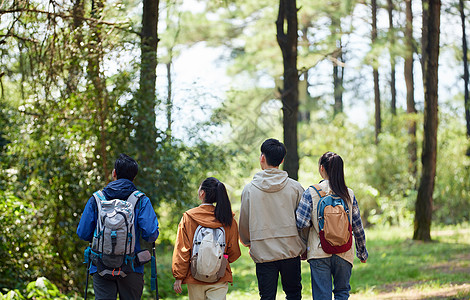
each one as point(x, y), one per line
point(324, 266)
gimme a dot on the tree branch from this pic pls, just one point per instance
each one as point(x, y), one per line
point(64, 16)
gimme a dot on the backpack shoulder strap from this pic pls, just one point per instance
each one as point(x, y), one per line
point(346, 209)
point(222, 229)
point(195, 246)
point(319, 190)
point(134, 197)
point(99, 196)
point(199, 228)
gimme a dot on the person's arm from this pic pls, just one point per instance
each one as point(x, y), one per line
point(182, 252)
point(88, 220)
point(177, 286)
point(147, 220)
point(300, 192)
point(303, 212)
point(359, 235)
point(244, 220)
point(233, 247)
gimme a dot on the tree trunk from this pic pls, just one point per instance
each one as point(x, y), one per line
point(304, 98)
point(95, 59)
point(78, 12)
point(304, 95)
point(465, 69)
point(146, 132)
point(378, 119)
point(393, 90)
point(430, 57)
point(169, 100)
point(338, 77)
point(410, 100)
point(290, 94)
point(338, 66)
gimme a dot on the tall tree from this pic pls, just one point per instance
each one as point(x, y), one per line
point(430, 57)
point(97, 89)
point(465, 68)
point(169, 64)
point(338, 64)
point(3, 124)
point(287, 39)
point(78, 14)
point(146, 132)
point(54, 145)
point(391, 28)
point(409, 81)
point(378, 118)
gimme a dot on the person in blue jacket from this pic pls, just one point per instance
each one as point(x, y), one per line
point(146, 223)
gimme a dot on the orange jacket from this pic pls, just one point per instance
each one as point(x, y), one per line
point(202, 215)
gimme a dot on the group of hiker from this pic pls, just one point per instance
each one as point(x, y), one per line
point(279, 221)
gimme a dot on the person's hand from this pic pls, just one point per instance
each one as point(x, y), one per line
point(364, 261)
point(303, 256)
point(177, 286)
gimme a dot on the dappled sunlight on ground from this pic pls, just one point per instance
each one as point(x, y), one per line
point(397, 268)
point(461, 291)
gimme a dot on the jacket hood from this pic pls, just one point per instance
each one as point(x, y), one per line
point(119, 189)
point(270, 180)
point(204, 216)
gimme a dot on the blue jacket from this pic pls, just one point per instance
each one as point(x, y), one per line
point(146, 222)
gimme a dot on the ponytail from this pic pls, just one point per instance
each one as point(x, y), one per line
point(333, 164)
point(216, 193)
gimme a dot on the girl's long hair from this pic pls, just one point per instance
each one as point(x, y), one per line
point(216, 193)
point(333, 164)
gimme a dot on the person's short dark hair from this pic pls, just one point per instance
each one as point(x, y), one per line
point(126, 167)
point(274, 151)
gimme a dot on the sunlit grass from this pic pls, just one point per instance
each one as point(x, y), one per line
point(397, 265)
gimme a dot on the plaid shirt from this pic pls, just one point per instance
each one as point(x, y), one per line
point(304, 219)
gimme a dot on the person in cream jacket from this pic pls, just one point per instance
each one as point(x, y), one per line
point(267, 224)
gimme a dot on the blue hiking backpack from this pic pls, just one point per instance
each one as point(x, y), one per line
point(334, 225)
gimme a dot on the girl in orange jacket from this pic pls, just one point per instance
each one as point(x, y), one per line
point(211, 192)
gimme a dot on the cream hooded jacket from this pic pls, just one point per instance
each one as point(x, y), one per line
point(267, 221)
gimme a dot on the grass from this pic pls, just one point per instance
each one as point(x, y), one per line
point(397, 268)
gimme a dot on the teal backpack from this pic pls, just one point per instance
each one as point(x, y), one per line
point(333, 222)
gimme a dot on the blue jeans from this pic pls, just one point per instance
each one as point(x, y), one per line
point(321, 271)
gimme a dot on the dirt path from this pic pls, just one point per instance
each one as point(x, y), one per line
point(460, 292)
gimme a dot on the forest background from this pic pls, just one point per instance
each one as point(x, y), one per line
point(192, 88)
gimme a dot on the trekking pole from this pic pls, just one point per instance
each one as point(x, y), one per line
point(154, 284)
point(88, 262)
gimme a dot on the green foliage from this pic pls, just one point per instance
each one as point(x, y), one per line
point(380, 174)
point(452, 187)
point(68, 108)
point(21, 241)
point(43, 289)
point(40, 289)
point(165, 277)
point(12, 295)
point(181, 169)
